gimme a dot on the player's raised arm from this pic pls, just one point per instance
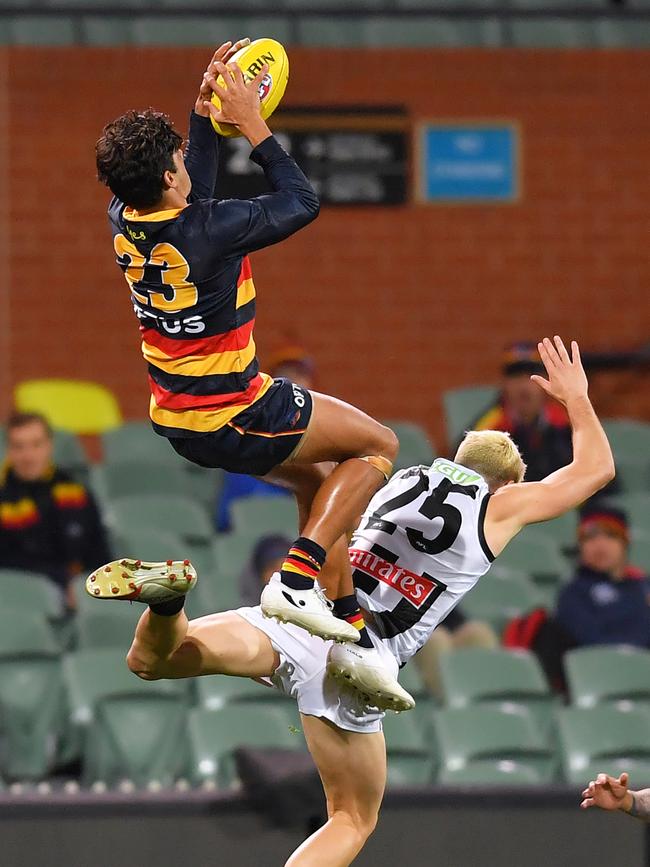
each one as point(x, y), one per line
point(612, 793)
point(202, 150)
point(241, 226)
point(592, 467)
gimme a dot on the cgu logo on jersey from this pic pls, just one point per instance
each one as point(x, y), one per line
point(459, 475)
point(415, 588)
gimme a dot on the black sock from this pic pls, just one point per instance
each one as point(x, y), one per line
point(302, 564)
point(168, 609)
point(347, 608)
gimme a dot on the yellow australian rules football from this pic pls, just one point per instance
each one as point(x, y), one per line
point(250, 59)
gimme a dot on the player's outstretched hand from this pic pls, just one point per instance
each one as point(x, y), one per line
point(221, 55)
point(566, 375)
point(240, 101)
point(608, 793)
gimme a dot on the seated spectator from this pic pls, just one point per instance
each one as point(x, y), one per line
point(608, 600)
point(290, 362)
point(267, 557)
point(49, 523)
point(454, 632)
point(538, 425)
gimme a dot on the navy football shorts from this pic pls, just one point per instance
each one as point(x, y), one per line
point(260, 438)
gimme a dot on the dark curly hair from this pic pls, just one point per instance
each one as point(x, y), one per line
point(133, 153)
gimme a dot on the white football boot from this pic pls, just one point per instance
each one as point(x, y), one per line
point(139, 581)
point(310, 609)
point(364, 669)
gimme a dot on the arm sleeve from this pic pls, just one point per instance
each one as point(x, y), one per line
point(201, 157)
point(242, 226)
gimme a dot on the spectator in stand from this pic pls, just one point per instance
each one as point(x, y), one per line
point(539, 426)
point(454, 632)
point(49, 523)
point(608, 600)
point(290, 362)
point(267, 557)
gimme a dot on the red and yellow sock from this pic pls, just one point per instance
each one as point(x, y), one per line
point(302, 564)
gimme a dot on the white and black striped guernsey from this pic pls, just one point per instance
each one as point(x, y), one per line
point(419, 549)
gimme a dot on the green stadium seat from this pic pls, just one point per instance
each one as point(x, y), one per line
point(411, 679)
point(623, 33)
point(633, 473)
point(559, 4)
point(463, 406)
point(137, 477)
point(336, 4)
point(552, 33)
point(410, 758)
point(135, 516)
point(563, 531)
point(604, 739)
point(30, 591)
point(174, 514)
point(377, 31)
point(260, 516)
point(41, 30)
point(479, 736)
point(32, 698)
point(214, 735)
point(92, 674)
point(434, 5)
point(608, 675)
point(205, 485)
point(137, 738)
point(99, 624)
point(213, 693)
point(508, 680)
point(200, 30)
point(637, 506)
point(497, 600)
point(538, 555)
point(640, 551)
point(502, 774)
point(415, 447)
point(627, 437)
point(136, 441)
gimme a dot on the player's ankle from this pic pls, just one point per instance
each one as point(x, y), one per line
point(302, 565)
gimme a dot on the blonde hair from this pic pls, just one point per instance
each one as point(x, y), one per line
point(493, 455)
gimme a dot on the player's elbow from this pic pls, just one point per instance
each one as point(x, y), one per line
point(311, 206)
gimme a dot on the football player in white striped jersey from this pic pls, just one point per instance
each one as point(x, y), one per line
point(423, 543)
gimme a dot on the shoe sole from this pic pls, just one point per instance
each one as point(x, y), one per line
point(272, 613)
point(375, 697)
point(124, 579)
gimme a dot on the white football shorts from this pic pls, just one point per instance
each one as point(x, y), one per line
point(302, 674)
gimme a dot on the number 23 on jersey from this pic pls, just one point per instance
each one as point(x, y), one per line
point(164, 266)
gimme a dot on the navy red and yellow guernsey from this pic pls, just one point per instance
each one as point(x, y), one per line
point(192, 286)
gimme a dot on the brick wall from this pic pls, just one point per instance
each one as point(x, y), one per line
point(395, 304)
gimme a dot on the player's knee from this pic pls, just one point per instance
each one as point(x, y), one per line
point(364, 822)
point(388, 444)
point(143, 668)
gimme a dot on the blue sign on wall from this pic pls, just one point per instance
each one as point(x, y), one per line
point(466, 163)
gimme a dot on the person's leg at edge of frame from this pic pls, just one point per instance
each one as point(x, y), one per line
point(352, 768)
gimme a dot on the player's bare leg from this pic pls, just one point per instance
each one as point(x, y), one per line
point(173, 647)
point(358, 665)
point(358, 453)
point(352, 768)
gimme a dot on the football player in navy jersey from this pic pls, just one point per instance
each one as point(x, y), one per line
point(184, 254)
